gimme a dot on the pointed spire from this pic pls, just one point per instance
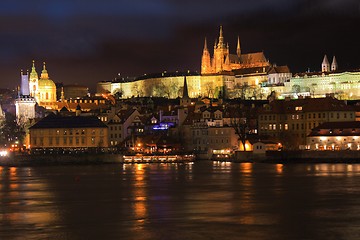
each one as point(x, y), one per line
point(185, 91)
point(334, 65)
point(33, 73)
point(238, 50)
point(205, 45)
point(221, 37)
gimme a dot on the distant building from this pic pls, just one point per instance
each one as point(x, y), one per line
point(330, 80)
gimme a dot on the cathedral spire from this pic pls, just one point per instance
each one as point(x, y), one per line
point(221, 37)
point(205, 45)
point(238, 50)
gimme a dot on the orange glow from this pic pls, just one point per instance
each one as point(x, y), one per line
point(279, 168)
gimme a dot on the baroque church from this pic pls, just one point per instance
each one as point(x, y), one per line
point(34, 90)
point(43, 89)
point(222, 61)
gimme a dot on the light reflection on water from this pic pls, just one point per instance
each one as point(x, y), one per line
point(181, 201)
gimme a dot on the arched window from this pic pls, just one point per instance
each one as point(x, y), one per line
point(46, 96)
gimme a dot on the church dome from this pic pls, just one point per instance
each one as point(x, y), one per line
point(45, 81)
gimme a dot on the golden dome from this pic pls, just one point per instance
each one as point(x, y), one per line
point(44, 83)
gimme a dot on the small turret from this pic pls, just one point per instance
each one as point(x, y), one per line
point(44, 73)
point(334, 65)
point(325, 66)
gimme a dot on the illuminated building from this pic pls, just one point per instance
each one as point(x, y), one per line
point(222, 60)
point(43, 89)
point(68, 132)
point(24, 103)
point(335, 136)
point(231, 75)
point(341, 84)
point(290, 121)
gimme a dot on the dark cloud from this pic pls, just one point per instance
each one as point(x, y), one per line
point(90, 41)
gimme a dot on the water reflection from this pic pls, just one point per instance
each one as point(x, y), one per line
point(23, 201)
point(204, 200)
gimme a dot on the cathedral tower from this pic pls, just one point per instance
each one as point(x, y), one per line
point(221, 53)
point(205, 60)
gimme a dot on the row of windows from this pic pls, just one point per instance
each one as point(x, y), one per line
point(115, 128)
point(310, 116)
point(206, 141)
point(78, 141)
point(71, 132)
point(297, 126)
point(205, 132)
point(115, 135)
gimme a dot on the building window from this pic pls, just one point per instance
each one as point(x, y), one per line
point(286, 126)
point(274, 126)
point(93, 140)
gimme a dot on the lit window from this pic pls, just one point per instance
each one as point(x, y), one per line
point(286, 126)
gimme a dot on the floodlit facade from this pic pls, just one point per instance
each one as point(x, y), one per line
point(335, 136)
point(68, 132)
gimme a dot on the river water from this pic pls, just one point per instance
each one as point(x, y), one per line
point(203, 200)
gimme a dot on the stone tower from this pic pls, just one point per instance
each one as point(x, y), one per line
point(325, 66)
point(24, 103)
point(334, 65)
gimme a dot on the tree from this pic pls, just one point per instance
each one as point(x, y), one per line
point(239, 121)
point(11, 130)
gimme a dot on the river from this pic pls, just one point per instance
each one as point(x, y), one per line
point(201, 200)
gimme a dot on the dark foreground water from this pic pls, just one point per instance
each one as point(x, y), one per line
point(204, 200)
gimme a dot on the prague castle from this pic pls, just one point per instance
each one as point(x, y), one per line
point(223, 74)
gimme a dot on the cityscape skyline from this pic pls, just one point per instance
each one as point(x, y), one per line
point(82, 45)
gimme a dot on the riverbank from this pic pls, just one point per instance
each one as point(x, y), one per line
point(272, 157)
point(88, 158)
point(299, 156)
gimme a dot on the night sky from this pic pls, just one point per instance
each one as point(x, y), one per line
point(88, 41)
